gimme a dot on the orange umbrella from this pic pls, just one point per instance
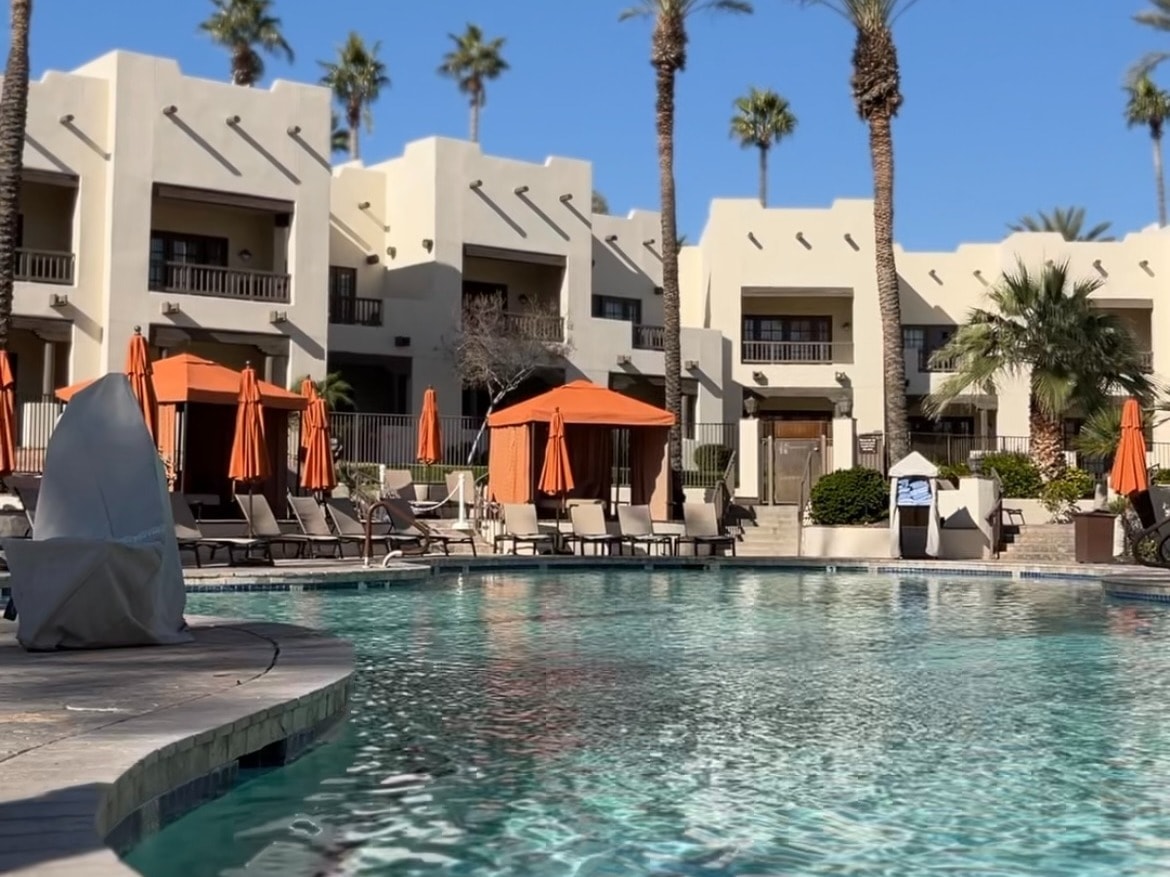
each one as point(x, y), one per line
point(138, 372)
point(318, 474)
point(309, 391)
point(7, 417)
point(430, 436)
point(1129, 475)
point(249, 462)
point(556, 475)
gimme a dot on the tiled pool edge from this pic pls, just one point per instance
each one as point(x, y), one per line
point(1147, 587)
point(98, 792)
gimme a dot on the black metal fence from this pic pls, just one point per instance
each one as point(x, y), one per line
point(955, 450)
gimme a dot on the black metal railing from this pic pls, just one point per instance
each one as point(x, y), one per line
point(648, 337)
point(352, 311)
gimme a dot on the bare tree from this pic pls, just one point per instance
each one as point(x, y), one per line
point(497, 350)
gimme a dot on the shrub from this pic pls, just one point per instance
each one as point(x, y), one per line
point(1059, 496)
point(850, 496)
point(1161, 476)
point(712, 458)
point(953, 472)
point(1018, 474)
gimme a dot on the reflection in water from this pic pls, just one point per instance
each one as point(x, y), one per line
point(716, 724)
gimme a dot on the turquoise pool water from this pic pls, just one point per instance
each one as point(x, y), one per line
point(734, 723)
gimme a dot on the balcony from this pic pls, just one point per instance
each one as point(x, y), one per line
point(354, 311)
point(44, 266)
point(648, 337)
point(1148, 361)
point(795, 352)
point(946, 365)
point(537, 327)
point(237, 283)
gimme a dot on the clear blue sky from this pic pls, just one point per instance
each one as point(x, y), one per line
point(1011, 105)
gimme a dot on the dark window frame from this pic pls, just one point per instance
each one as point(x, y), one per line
point(623, 308)
point(209, 250)
point(781, 329)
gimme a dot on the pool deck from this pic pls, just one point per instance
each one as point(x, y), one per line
point(100, 748)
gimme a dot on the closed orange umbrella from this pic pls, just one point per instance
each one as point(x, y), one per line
point(556, 475)
point(1130, 475)
point(309, 391)
point(7, 417)
point(317, 474)
point(249, 462)
point(138, 372)
point(430, 436)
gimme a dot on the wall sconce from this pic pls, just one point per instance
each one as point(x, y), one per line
point(691, 365)
point(277, 317)
point(849, 240)
point(363, 205)
point(401, 340)
point(294, 130)
point(372, 259)
point(648, 243)
point(428, 244)
point(934, 276)
point(58, 301)
point(1100, 268)
point(623, 359)
point(245, 255)
point(66, 119)
point(611, 238)
point(841, 378)
point(1144, 264)
point(392, 252)
point(475, 184)
point(566, 198)
point(751, 405)
point(170, 110)
point(759, 377)
point(170, 308)
point(520, 190)
point(803, 241)
point(232, 121)
point(658, 290)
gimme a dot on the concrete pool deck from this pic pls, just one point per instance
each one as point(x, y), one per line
point(101, 748)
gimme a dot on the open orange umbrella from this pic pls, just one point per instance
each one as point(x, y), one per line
point(7, 417)
point(317, 473)
point(430, 436)
point(556, 475)
point(1130, 475)
point(138, 372)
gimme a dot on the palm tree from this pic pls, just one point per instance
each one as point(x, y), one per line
point(13, 117)
point(335, 390)
point(1157, 18)
point(338, 135)
point(1045, 325)
point(668, 57)
point(1149, 106)
point(762, 119)
point(600, 204)
point(472, 63)
point(356, 78)
point(1101, 433)
point(877, 95)
point(1068, 222)
point(243, 27)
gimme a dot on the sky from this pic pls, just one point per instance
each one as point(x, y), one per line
point(1010, 105)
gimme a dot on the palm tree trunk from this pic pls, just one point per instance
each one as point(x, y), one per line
point(242, 68)
point(1159, 179)
point(1045, 441)
point(881, 149)
point(475, 104)
point(353, 118)
point(671, 342)
point(763, 176)
point(13, 119)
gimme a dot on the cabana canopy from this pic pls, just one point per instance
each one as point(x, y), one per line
point(590, 413)
point(188, 378)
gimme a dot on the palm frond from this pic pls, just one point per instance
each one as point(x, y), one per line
point(1068, 222)
point(762, 119)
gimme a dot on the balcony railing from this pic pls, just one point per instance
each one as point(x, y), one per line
point(795, 352)
point(537, 327)
point(352, 311)
point(214, 280)
point(648, 337)
point(1148, 361)
point(44, 266)
point(944, 365)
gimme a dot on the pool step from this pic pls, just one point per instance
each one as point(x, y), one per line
point(1041, 542)
point(772, 531)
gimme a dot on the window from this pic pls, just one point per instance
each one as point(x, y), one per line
point(342, 295)
point(190, 249)
point(611, 307)
point(474, 288)
point(794, 329)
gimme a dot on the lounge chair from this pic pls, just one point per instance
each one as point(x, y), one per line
point(589, 528)
point(310, 517)
point(191, 538)
point(521, 528)
point(406, 523)
point(348, 522)
point(702, 528)
point(637, 528)
point(28, 499)
point(262, 524)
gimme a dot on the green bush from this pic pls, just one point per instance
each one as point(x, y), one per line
point(953, 472)
point(850, 496)
point(1018, 474)
point(1161, 476)
point(1060, 495)
point(712, 458)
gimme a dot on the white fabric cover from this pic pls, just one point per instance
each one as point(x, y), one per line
point(914, 465)
point(102, 568)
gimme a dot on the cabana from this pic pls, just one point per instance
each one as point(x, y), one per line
point(591, 413)
point(196, 421)
point(914, 520)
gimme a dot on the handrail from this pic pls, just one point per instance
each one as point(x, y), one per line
point(368, 544)
point(805, 494)
point(995, 516)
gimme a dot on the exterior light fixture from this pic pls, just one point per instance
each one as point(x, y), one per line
point(170, 110)
point(520, 190)
point(372, 259)
point(245, 255)
point(428, 244)
point(391, 252)
point(759, 377)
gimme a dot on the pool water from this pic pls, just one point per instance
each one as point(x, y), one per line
point(715, 723)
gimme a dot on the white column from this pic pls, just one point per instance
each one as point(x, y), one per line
point(844, 443)
point(749, 459)
point(48, 368)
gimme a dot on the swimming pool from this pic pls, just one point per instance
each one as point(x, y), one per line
point(715, 723)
